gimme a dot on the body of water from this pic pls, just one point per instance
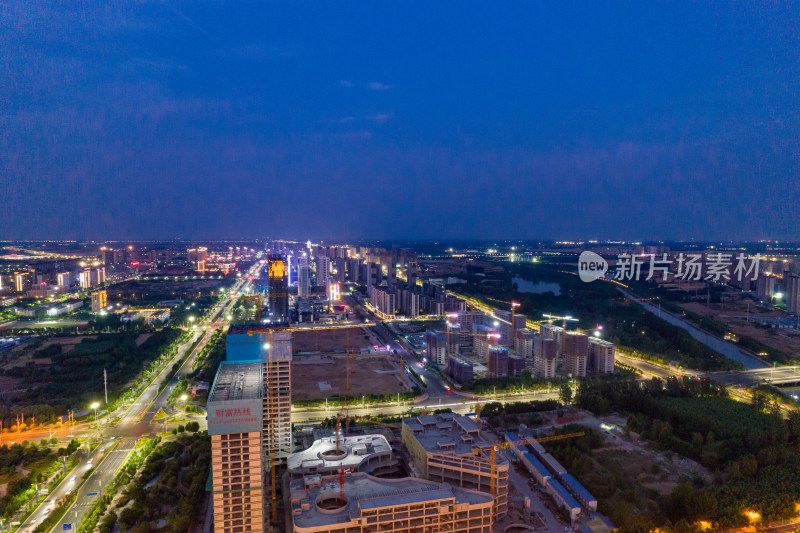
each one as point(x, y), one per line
point(539, 287)
point(731, 351)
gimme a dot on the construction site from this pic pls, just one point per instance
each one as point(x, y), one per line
point(441, 471)
point(325, 376)
point(325, 356)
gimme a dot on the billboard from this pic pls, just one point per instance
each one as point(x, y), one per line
point(234, 416)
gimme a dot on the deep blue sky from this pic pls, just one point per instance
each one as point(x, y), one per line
point(637, 120)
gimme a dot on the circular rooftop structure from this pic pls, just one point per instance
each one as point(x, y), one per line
point(331, 502)
point(333, 454)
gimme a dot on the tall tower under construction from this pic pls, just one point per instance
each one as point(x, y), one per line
point(273, 349)
point(278, 288)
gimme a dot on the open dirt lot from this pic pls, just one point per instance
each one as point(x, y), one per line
point(67, 343)
point(23, 354)
point(368, 375)
point(9, 384)
point(330, 340)
point(143, 337)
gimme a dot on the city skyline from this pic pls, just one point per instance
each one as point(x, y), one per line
point(153, 121)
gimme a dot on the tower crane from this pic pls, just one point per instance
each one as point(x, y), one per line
point(564, 320)
point(493, 450)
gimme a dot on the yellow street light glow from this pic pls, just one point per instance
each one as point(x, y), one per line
point(183, 397)
point(752, 515)
point(95, 405)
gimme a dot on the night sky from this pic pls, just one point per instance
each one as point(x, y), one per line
point(524, 120)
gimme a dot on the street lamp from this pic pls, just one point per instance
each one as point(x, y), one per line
point(191, 321)
point(94, 406)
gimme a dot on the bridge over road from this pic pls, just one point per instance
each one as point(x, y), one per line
point(779, 375)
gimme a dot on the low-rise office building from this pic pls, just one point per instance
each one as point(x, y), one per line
point(359, 502)
point(449, 448)
point(371, 454)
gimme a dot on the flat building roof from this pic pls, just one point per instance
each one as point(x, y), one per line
point(237, 381)
point(448, 433)
point(364, 492)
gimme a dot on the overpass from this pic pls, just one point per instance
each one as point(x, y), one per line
point(779, 375)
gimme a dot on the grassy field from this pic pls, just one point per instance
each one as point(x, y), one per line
point(61, 375)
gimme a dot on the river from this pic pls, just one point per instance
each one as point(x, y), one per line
point(715, 343)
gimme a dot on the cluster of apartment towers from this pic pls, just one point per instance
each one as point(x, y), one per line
point(504, 347)
point(340, 483)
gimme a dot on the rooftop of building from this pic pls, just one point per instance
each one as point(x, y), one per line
point(460, 360)
point(601, 342)
point(448, 433)
point(322, 454)
point(364, 492)
point(242, 329)
point(569, 501)
point(237, 381)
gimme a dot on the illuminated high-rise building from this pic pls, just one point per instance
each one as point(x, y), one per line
point(303, 276)
point(323, 270)
point(602, 355)
point(436, 347)
point(545, 356)
point(576, 354)
point(99, 301)
point(278, 288)
point(63, 279)
point(22, 281)
point(235, 428)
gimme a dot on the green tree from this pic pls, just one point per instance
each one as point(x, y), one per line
point(565, 394)
point(108, 522)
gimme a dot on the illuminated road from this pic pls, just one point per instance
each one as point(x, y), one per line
point(456, 403)
point(74, 481)
point(136, 421)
